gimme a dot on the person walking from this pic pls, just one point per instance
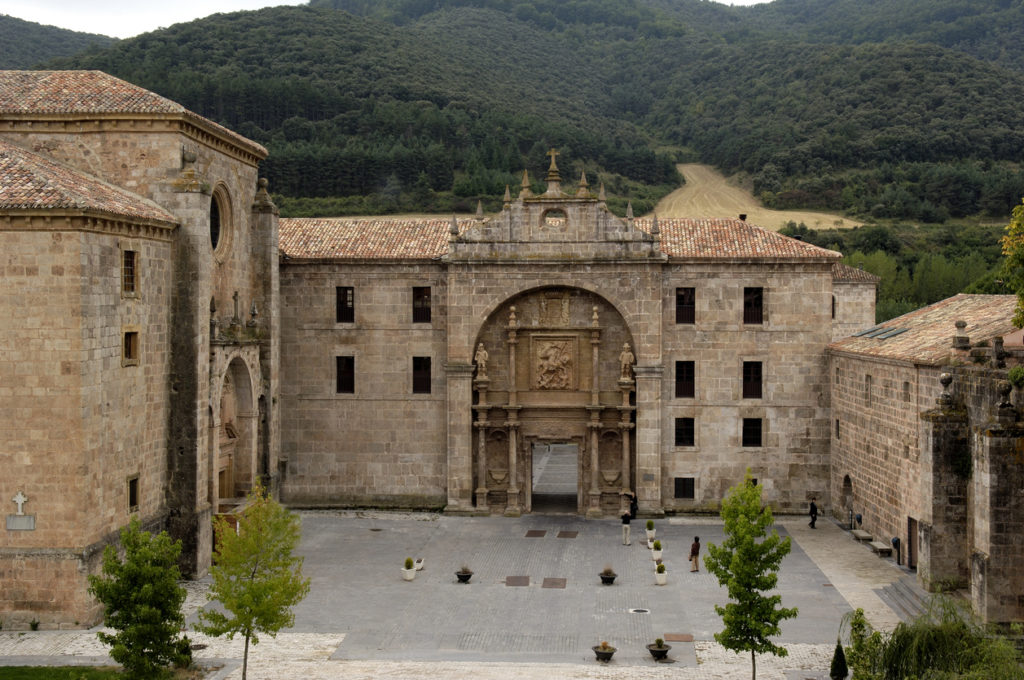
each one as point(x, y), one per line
point(632, 506)
point(695, 554)
point(814, 513)
point(625, 528)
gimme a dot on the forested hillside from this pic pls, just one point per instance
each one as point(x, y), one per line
point(397, 105)
point(26, 44)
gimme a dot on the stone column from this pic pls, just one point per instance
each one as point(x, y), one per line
point(460, 432)
point(514, 506)
point(594, 495)
point(626, 387)
point(648, 438)
point(481, 448)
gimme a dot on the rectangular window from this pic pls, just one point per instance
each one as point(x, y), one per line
point(837, 428)
point(684, 432)
point(346, 367)
point(346, 303)
point(751, 379)
point(685, 487)
point(753, 305)
point(751, 432)
point(421, 375)
point(685, 387)
point(421, 304)
point(130, 349)
point(133, 494)
point(129, 273)
point(686, 305)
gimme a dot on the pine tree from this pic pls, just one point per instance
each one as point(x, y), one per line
point(255, 577)
point(142, 602)
point(747, 564)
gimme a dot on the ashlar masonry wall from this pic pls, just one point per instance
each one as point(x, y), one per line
point(380, 445)
point(792, 462)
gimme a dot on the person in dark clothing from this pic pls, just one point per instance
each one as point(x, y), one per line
point(695, 554)
point(814, 513)
point(625, 528)
point(632, 506)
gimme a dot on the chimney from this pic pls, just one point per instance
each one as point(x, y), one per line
point(743, 217)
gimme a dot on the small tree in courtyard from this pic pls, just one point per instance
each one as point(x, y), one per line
point(1013, 266)
point(142, 602)
point(747, 564)
point(255, 576)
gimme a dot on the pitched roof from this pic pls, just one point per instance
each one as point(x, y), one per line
point(323, 238)
point(388, 237)
point(29, 181)
point(925, 336)
point(728, 238)
point(27, 93)
point(848, 274)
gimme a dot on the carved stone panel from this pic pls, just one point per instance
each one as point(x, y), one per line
point(554, 361)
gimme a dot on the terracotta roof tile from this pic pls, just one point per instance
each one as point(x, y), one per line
point(428, 238)
point(316, 238)
point(927, 333)
point(29, 181)
point(844, 272)
point(27, 93)
point(728, 238)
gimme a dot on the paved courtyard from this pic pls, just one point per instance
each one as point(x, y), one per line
point(361, 620)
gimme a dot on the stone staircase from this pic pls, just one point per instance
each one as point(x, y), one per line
point(905, 597)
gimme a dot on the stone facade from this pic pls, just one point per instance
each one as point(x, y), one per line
point(125, 222)
point(924, 446)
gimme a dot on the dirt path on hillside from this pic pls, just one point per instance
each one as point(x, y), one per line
point(707, 193)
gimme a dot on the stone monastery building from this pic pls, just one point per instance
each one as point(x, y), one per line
point(167, 341)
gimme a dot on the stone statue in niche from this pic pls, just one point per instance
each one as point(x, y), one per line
point(554, 366)
point(626, 361)
point(480, 358)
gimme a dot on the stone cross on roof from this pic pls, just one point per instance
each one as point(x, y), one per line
point(20, 499)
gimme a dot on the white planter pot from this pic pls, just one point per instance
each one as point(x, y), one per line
point(650, 534)
point(656, 554)
point(660, 579)
point(418, 564)
point(409, 574)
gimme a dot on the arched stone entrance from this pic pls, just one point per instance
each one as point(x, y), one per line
point(553, 366)
point(235, 435)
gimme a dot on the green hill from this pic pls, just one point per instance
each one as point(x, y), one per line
point(396, 105)
point(27, 44)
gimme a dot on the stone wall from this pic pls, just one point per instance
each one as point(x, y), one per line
point(381, 445)
point(792, 463)
point(854, 307)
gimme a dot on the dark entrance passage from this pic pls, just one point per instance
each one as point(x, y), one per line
point(555, 478)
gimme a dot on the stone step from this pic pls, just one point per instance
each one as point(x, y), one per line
point(905, 597)
point(883, 549)
point(861, 535)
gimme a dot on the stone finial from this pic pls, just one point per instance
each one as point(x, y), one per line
point(453, 228)
point(236, 318)
point(512, 321)
point(945, 399)
point(593, 318)
point(601, 196)
point(998, 353)
point(479, 210)
point(263, 200)
point(584, 189)
point(629, 211)
point(553, 175)
point(655, 229)
point(960, 338)
point(253, 313)
point(525, 192)
point(507, 200)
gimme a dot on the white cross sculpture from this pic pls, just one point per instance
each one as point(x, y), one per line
point(20, 499)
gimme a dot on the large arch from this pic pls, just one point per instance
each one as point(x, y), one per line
point(236, 439)
point(553, 368)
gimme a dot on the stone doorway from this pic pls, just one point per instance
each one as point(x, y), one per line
point(555, 478)
point(911, 543)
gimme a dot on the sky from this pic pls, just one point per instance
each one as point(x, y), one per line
point(125, 18)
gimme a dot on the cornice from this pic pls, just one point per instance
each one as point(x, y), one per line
point(59, 219)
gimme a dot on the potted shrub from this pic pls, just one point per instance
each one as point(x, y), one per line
point(660, 575)
point(650, 529)
point(604, 651)
point(607, 575)
point(409, 571)
point(656, 551)
point(659, 650)
point(463, 574)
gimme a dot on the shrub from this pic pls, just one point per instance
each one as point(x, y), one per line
point(409, 563)
point(1016, 376)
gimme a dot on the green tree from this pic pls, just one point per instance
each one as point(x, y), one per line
point(255, 576)
point(1013, 266)
point(747, 564)
point(142, 602)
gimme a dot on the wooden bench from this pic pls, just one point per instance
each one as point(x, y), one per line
point(861, 535)
point(883, 549)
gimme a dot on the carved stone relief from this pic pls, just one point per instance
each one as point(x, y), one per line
point(554, 362)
